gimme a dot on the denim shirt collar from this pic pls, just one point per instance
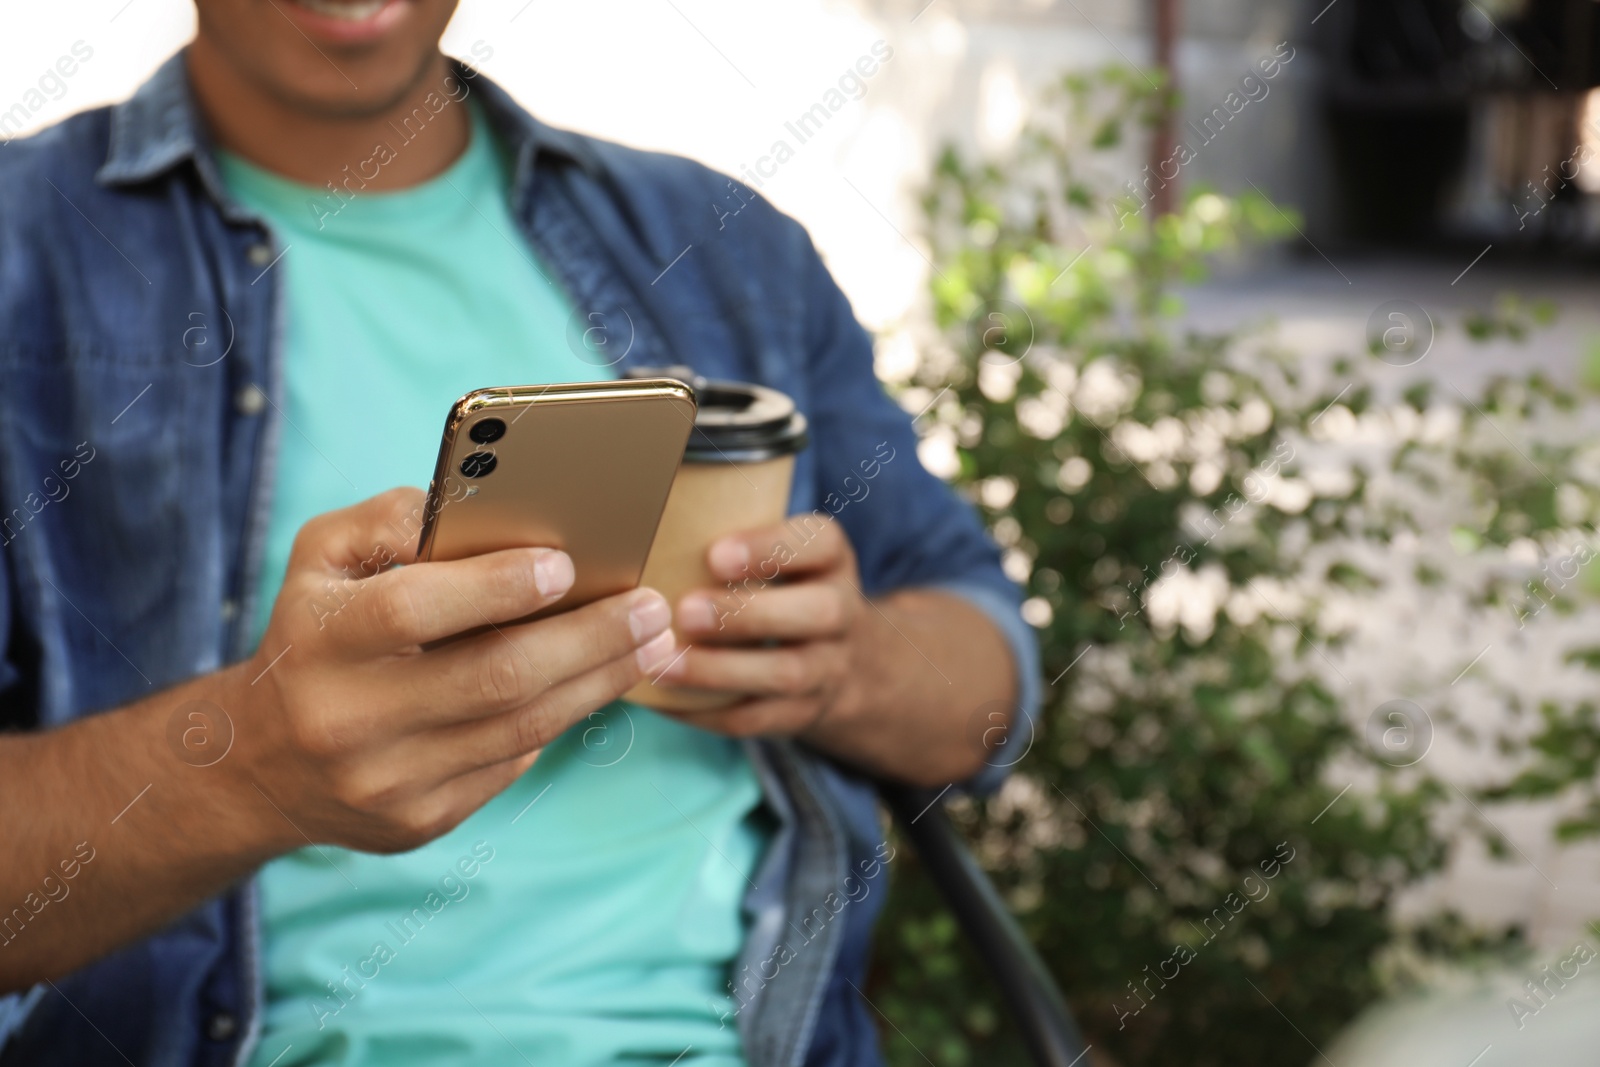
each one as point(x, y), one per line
point(160, 127)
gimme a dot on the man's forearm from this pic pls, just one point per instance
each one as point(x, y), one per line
point(926, 666)
point(109, 833)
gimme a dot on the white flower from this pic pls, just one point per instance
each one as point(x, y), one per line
point(1524, 551)
point(998, 381)
point(915, 400)
point(1337, 423)
point(1171, 434)
point(1036, 612)
point(1207, 434)
point(1017, 565)
point(1254, 417)
point(1205, 477)
point(1105, 391)
point(1189, 599)
point(1440, 425)
point(1216, 387)
point(1289, 495)
point(1074, 474)
point(1332, 482)
point(997, 492)
point(1585, 465)
point(937, 452)
point(1062, 376)
point(896, 358)
point(1244, 607)
point(1137, 440)
point(1572, 504)
point(1210, 208)
point(1405, 422)
point(1043, 416)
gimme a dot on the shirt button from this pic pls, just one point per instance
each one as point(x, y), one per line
point(249, 400)
point(230, 609)
point(221, 1026)
point(260, 254)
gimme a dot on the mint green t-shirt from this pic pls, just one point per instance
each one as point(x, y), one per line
point(591, 912)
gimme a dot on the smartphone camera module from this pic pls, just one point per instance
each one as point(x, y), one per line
point(479, 464)
point(487, 431)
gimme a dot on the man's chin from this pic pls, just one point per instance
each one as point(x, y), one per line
point(373, 96)
point(348, 107)
point(325, 59)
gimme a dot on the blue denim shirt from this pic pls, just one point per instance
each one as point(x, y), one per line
point(140, 377)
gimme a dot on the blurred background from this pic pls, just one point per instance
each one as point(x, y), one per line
point(1262, 334)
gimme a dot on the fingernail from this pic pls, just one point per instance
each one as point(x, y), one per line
point(730, 557)
point(656, 653)
point(649, 615)
point(696, 613)
point(552, 573)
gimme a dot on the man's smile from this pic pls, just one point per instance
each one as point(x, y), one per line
point(346, 22)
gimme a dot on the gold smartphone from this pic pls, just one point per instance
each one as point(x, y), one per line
point(584, 467)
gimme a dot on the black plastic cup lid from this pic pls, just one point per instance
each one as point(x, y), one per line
point(737, 422)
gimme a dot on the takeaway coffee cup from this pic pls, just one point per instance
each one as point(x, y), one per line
point(736, 474)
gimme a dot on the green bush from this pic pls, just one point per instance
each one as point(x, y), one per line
point(1179, 842)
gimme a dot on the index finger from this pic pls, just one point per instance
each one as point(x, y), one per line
point(363, 539)
point(801, 544)
point(427, 602)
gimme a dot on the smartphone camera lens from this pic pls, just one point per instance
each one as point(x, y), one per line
point(485, 431)
point(479, 464)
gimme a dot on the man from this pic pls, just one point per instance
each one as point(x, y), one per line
point(243, 826)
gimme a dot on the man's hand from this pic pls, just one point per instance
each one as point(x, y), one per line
point(349, 726)
point(365, 739)
point(781, 637)
point(904, 686)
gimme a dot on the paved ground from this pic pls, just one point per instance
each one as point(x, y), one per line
point(1322, 307)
